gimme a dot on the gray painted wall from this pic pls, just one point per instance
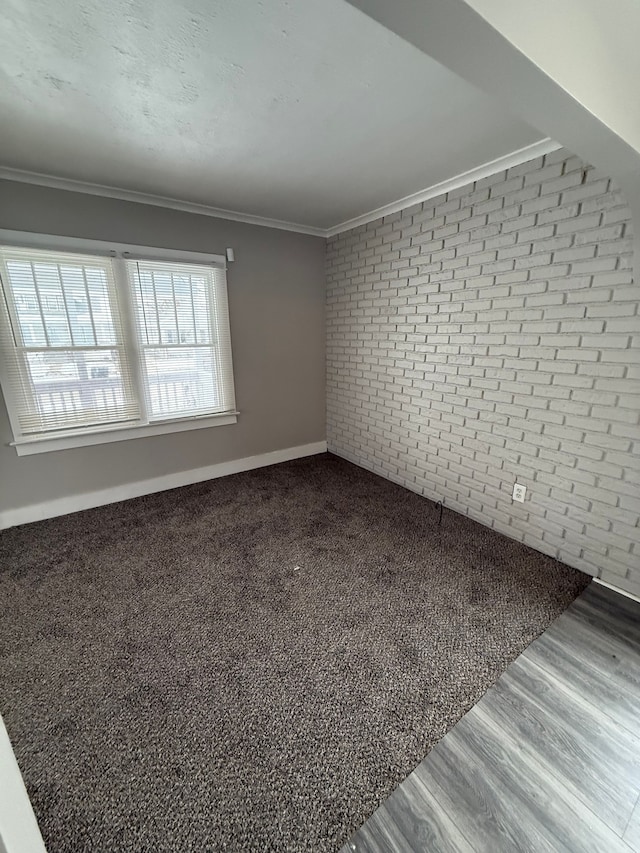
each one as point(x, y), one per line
point(492, 335)
point(276, 305)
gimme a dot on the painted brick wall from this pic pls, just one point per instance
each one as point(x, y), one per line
point(492, 335)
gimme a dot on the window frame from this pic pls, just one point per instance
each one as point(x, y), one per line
point(119, 253)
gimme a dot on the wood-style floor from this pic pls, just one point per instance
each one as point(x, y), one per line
point(548, 760)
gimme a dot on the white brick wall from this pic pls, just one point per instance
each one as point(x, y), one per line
point(491, 335)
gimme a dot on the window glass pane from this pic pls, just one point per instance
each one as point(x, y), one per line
point(184, 309)
point(166, 308)
point(27, 306)
point(78, 386)
point(61, 305)
point(80, 316)
point(183, 328)
point(182, 380)
point(172, 307)
point(62, 342)
point(201, 309)
point(148, 307)
point(100, 306)
point(49, 289)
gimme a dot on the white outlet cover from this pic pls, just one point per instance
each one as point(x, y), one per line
point(519, 492)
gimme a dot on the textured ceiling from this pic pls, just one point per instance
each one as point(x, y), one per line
point(297, 110)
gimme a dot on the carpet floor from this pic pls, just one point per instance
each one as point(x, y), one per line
point(251, 663)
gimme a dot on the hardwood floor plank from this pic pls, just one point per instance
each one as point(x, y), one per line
point(606, 599)
point(606, 652)
point(615, 618)
point(483, 808)
point(411, 819)
point(421, 818)
point(570, 744)
point(379, 834)
point(608, 625)
point(570, 663)
point(585, 717)
point(536, 799)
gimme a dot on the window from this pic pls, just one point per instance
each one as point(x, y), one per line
point(112, 344)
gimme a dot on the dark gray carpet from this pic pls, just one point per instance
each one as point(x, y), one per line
point(172, 682)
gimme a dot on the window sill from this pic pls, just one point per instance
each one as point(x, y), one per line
point(105, 435)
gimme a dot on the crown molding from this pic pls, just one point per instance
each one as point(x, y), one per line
point(515, 158)
point(71, 185)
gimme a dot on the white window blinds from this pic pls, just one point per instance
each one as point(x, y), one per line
point(91, 341)
point(183, 334)
point(63, 348)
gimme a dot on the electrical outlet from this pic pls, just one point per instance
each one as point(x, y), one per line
point(519, 492)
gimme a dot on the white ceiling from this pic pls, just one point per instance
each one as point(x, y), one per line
point(299, 110)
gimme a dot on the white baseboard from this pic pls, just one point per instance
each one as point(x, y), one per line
point(88, 500)
point(617, 589)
